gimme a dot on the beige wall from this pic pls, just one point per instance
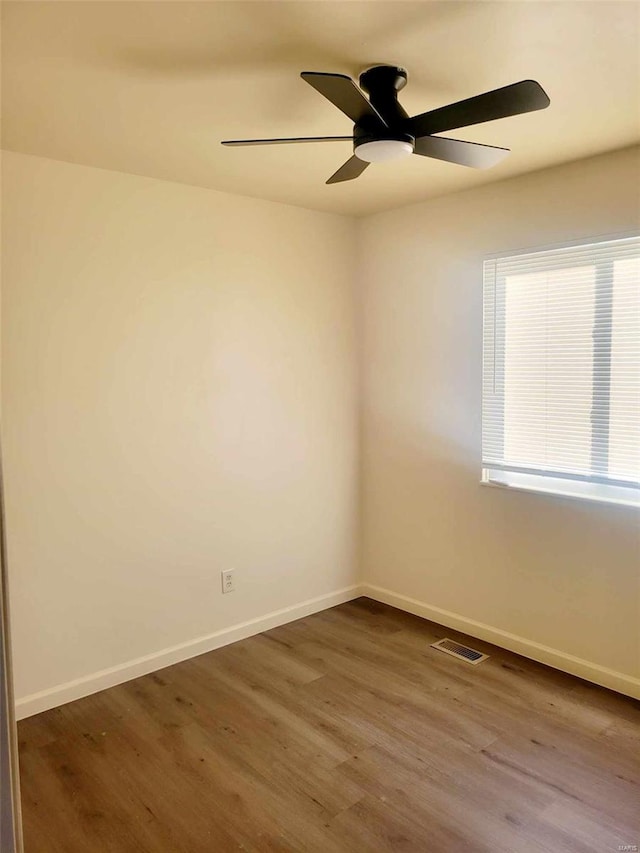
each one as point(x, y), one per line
point(179, 398)
point(553, 571)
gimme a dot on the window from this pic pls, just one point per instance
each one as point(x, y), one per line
point(561, 371)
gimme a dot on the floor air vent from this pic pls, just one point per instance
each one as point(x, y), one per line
point(459, 651)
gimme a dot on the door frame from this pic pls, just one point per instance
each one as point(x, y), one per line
point(10, 813)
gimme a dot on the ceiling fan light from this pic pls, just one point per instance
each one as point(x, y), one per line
point(383, 150)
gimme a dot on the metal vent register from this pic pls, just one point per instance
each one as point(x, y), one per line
point(459, 651)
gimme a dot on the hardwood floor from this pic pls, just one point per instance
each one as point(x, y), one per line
point(344, 732)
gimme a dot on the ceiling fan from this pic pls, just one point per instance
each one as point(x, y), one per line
point(383, 131)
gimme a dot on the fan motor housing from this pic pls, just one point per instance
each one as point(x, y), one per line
point(382, 83)
point(363, 134)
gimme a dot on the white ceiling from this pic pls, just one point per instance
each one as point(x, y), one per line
point(151, 88)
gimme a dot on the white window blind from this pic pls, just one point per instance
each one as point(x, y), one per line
point(561, 371)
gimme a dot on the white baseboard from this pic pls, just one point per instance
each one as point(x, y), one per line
point(63, 693)
point(619, 681)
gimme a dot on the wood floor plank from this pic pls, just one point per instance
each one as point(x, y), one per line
point(343, 732)
point(436, 799)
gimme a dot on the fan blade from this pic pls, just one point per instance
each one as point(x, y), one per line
point(523, 97)
point(346, 96)
point(353, 168)
point(285, 141)
point(456, 151)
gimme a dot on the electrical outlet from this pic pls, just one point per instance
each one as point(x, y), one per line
point(228, 581)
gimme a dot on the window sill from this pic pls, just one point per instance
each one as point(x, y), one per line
point(573, 491)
